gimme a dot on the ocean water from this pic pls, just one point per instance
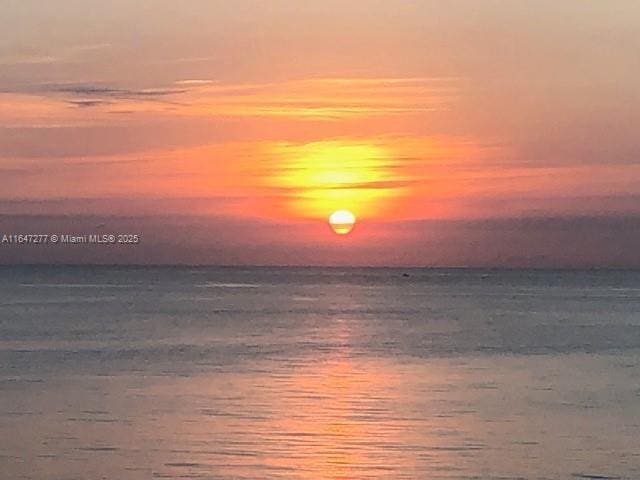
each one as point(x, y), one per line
point(292, 373)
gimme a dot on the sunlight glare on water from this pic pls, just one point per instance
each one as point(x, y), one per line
point(318, 374)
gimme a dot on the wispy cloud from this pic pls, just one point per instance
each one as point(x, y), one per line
point(118, 93)
point(316, 98)
point(61, 55)
point(194, 81)
point(88, 103)
point(328, 98)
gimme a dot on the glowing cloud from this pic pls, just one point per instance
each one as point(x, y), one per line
point(323, 177)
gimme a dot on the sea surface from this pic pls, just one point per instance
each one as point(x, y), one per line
point(311, 373)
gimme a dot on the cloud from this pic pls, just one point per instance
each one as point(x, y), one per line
point(87, 103)
point(60, 55)
point(571, 242)
point(115, 207)
point(303, 99)
point(123, 93)
point(192, 82)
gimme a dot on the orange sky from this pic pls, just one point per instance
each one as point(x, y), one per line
point(280, 113)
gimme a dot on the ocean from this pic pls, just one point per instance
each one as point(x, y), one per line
point(318, 373)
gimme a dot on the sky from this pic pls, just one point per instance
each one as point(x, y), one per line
point(462, 133)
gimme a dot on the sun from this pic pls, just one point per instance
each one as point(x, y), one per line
point(342, 221)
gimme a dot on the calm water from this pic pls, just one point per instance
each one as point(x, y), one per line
point(138, 373)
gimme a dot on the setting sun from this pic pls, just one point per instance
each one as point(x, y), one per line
point(342, 221)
